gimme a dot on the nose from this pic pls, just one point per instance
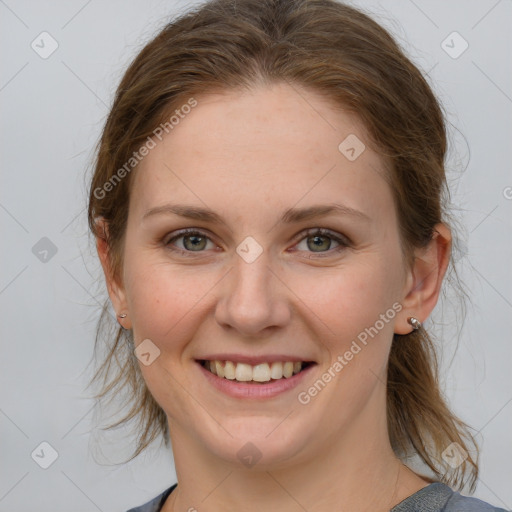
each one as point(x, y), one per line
point(254, 298)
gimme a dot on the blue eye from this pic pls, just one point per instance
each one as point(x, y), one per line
point(318, 240)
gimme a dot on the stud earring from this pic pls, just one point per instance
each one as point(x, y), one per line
point(416, 324)
point(124, 315)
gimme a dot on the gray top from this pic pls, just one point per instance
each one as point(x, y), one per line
point(436, 497)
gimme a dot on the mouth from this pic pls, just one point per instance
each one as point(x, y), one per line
point(262, 373)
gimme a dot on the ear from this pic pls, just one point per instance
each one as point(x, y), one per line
point(424, 279)
point(115, 290)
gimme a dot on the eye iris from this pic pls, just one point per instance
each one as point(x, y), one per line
point(317, 244)
point(196, 243)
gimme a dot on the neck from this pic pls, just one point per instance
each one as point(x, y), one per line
point(356, 471)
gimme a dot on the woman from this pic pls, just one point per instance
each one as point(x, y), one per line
point(267, 206)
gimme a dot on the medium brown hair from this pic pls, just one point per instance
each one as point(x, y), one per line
point(342, 54)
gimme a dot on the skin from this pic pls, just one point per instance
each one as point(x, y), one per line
point(249, 155)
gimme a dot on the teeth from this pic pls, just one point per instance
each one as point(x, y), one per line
point(219, 369)
point(263, 372)
point(287, 369)
point(243, 372)
point(276, 371)
point(229, 370)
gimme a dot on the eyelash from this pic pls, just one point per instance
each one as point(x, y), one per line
point(342, 241)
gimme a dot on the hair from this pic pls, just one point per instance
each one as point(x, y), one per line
point(338, 52)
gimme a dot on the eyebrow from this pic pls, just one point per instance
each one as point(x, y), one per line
point(291, 215)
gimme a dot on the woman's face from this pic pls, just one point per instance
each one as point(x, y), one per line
point(255, 283)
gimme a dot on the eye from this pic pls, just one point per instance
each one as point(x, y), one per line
point(319, 240)
point(192, 241)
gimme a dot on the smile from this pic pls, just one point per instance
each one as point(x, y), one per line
point(259, 373)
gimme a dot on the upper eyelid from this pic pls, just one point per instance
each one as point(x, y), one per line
point(297, 238)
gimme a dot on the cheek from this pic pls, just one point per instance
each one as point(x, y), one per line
point(346, 301)
point(353, 316)
point(164, 299)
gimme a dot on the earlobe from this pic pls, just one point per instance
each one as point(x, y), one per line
point(424, 281)
point(115, 290)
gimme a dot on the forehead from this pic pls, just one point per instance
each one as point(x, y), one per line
point(275, 144)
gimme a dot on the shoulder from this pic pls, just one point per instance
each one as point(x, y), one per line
point(156, 504)
point(438, 497)
point(459, 503)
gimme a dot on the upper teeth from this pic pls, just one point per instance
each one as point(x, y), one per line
point(260, 373)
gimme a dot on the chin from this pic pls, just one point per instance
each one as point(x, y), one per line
point(257, 442)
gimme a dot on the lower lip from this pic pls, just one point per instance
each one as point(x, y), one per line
point(270, 389)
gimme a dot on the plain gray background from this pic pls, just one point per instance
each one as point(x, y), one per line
point(52, 112)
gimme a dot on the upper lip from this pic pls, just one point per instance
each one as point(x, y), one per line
point(254, 360)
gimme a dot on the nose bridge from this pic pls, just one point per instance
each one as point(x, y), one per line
point(251, 301)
